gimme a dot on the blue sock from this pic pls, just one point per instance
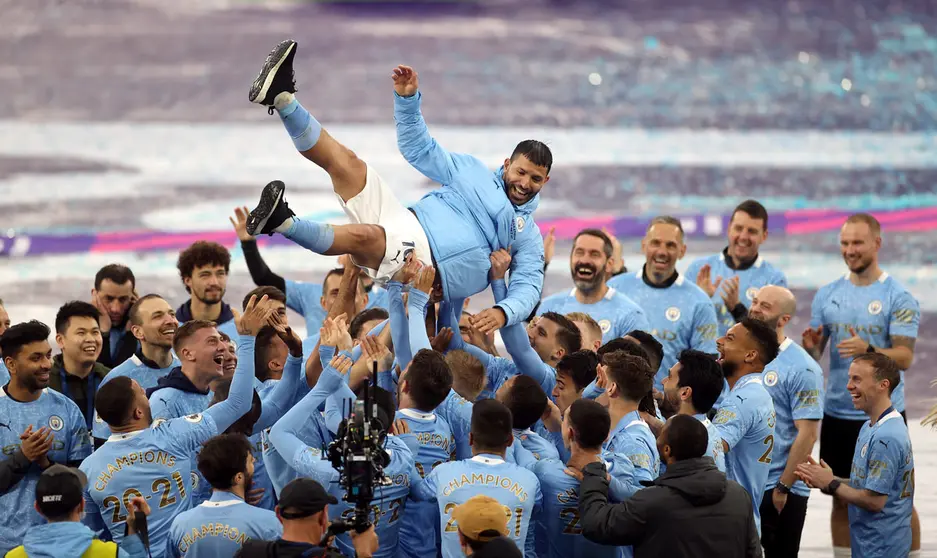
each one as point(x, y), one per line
point(302, 126)
point(317, 237)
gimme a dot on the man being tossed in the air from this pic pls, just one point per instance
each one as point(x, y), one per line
point(453, 228)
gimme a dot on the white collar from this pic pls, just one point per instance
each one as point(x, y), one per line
point(487, 460)
point(124, 436)
point(609, 294)
point(881, 278)
point(893, 414)
point(414, 414)
point(785, 344)
point(222, 504)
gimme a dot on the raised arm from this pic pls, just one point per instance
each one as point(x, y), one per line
point(523, 294)
point(256, 266)
point(413, 139)
point(278, 400)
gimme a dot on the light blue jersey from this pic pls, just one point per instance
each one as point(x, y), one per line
point(4, 374)
point(457, 411)
point(306, 300)
point(878, 312)
point(71, 444)
point(746, 423)
point(145, 372)
point(219, 527)
point(436, 446)
point(715, 450)
point(751, 279)
point(453, 483)
point(537, 445)
point(170, 403)
point(680, 315)
point(795, 382)
point(632, 437)
point(313, 433)
point(883, 463)
point(616, 313)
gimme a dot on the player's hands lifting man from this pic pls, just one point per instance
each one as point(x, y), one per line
point(493, 318)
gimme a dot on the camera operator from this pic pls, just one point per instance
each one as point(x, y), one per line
point(304, 512)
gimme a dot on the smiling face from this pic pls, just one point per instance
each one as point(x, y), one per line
point(208, 283)
point(155, 323)
point(81, 343)
point(663, 246)
point(204, 351)
point(31, 366)
point(866, 391)
point(523, 180)
point(746, 233)
point(588, 263)
point(859, 246)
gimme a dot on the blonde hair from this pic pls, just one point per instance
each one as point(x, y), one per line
point(468, 374)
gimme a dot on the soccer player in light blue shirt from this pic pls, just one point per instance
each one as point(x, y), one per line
point(28, 406)
point(680, 314)
point(515, 487)
point(151, 458)
point(203, 268)
point(524, 397)
point(221, 525)
point(746, 418)
point(153, 322)
point(880, 488)
point(590, 264)
point(732, 277)
point(795, 382)
point(691, 388)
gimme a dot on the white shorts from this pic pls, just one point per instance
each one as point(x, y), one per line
point(376, 204)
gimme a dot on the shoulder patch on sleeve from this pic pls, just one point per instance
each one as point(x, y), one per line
point(196, 418)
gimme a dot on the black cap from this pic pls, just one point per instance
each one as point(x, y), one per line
point(500, 547)
point(60, 490)
point(303, 497)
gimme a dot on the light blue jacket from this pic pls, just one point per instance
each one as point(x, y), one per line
point(70, 539)
point(470, 217)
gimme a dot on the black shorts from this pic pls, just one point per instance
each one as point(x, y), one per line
point(838, 442)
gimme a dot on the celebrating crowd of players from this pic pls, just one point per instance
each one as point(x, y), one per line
point(633, 402)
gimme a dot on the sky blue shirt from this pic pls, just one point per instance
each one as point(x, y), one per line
point(715, 450)
point(306, 300)
point(616, 313)
point(457, 411)
point(219, 527)
point(71, 443)
point(4, 374)
point(883, 463)
point(537, 445)
point(681, 316)
point(632, 437)
point(746, 423)
point(453, 483)
point(795, 382)
point(877, 312)
point(135, 369)
point(761, 273)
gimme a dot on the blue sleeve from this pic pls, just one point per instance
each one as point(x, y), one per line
point(525, 357)
point(592, 391)
point(705, 328)
point(336, 405)
point(425, 490)
point(732, 421)
point(692, 270)
point(449, 315)
point(131, 547)
point(416, 305)
point(807, 395)
point(517, 453)
point(398, 324)
point(416, 144)
point(79, 442)
point(277, 400)
point(92, 517)
point(623, 484)
point(526, 278)
point(905, 316)
point(297, 293)
point(779, 278)
point(159, 407)
point(241, 394)
point(816, 311)
point(357, 350)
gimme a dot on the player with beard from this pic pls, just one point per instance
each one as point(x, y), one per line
point(590, 264)
point(691, 388)
point(795, 382)
point(76, 372)
point(204, 267)
point(738, 269)
point(866, 310)
point(46, 425)
point(454, 228)
point(745, 420)
point(221, 525)
point(4, 325)
point(680, 314)
point(113, 294)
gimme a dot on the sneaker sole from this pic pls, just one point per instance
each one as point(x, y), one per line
point(261, 85)
point(269, 199)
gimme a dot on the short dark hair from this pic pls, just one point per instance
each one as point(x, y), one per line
point(687, 437)
point(526, 400)
point(18, 336)
point(116, 273)
point(134, 311)
point(200, 254)
point(272, 293)
point(591, 423)
point(536, 152)
point(363, 317)
point(883, 368)
point(653, 347)
point(874, 226)
point(701, 372)
point(429, 379)
point(765, 336)
point(467, 371)
point(262, 345)
point(580, 367)
point(75, 309)
point(222, 458)
point(385, 403)
point(754, 210)
point(491, 425)
point(632, 374)
point(607, 247)
point(622, 344)
point(114, 401)
point(666, 220)
point(567, 334)
point(187, 330)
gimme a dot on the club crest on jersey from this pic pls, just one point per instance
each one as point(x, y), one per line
point(875, 307)
point(771, 378)
point(196, 418)
point(672, 313)
point(605, 325)
point(751, 292)
point(520, 224)
point(56, 423)
point(157, 422)
point(862, 452)
point(98, 419)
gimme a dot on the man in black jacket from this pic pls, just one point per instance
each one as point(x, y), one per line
point(691, 510)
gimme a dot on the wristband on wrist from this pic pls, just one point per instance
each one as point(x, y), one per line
point(782, 488)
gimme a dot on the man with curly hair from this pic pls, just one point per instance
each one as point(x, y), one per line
point(203, 268)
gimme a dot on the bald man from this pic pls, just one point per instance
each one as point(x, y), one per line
point(795, 382)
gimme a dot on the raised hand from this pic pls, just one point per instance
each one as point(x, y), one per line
point(424, 280)
point(440, 342)
point(549, 245)
point(36, 445)
point(408, 272)
point(704, 280)
point(811, 338)
point(293, 342)
point(617, 261)
point(376, 352)
point(255, 316)
point(488, 320)
point(500, 263)
point(239, 222)
point(406, 82)
point(852, 347)
point(341, 363)
point(730, 292)
point(104, 320)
